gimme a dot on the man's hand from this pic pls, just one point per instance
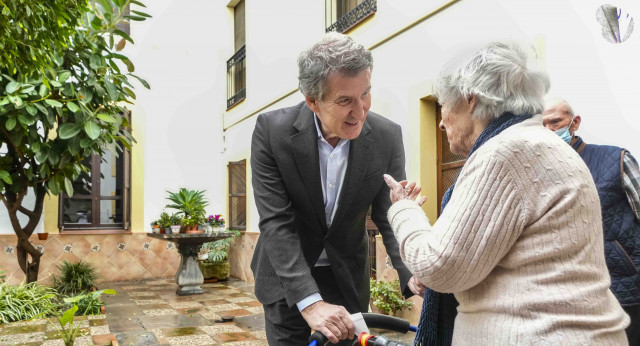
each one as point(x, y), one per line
point(333, 321)
point(416, 286)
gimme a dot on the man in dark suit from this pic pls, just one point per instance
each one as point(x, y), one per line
point(317, 169)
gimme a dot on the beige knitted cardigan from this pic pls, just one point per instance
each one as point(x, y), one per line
point(520, 245)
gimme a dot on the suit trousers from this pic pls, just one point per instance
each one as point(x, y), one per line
point(285, 325)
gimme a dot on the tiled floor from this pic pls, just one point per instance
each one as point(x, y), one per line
point(149, 312)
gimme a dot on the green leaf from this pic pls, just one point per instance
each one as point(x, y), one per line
point(129, 64)
point(6, 177)
point(43, 91)
point(11, 123)
point(123, 35)
point(106, 117)
point(85, 95)
point(67, 317)
point(142, 81)
point(73, 107)
point(54, 187)
point(141, 14)
point(68, 187)
point(53, 103)
point(63, 76)
point(138, 3)
point(68, 130)
point(12, 87)
point(92, 129)
point(15, 99)
point(41, 155)
point(111, 90)
point(32, 109)
point(24, 119)
point(136, 18)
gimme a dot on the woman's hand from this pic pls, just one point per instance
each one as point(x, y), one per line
point(404, 190)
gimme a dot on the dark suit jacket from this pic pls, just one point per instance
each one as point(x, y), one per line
point(288, 194)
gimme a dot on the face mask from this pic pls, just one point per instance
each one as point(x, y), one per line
point(564, 133)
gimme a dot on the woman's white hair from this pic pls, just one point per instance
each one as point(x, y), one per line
point(334, 53)
point(504, 76)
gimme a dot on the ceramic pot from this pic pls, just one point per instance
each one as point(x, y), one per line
point(43, 236)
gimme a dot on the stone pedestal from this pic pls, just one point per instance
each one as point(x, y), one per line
point(189, 277)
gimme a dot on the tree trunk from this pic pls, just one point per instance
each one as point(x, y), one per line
point(24, 248)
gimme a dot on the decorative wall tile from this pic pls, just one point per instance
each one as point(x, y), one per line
point(143, 258)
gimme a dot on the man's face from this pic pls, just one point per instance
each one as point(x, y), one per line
point(557, 116)
point(344, 107)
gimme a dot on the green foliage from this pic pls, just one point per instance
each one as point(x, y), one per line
point(164, 221)
point(386, 296)
point(68, 329)
point(62, 86)
point(25, 301)
point(190, 205)
point(89, 303)
point(74, 278)
point(218, 251)
point(176, 219)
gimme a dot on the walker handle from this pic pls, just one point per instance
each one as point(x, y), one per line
point(379, 321)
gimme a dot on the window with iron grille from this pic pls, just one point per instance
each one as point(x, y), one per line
point(342, 15)
point(238, 194)
point(236, 66)
point(101, 199)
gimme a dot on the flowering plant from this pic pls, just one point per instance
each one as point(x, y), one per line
point(216, 220)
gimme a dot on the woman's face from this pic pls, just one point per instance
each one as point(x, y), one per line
point(460, 127)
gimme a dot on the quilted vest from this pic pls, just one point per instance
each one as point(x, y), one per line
point(621, 229)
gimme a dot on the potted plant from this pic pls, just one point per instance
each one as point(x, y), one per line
point(43, 235)
point(176, 223)
point(214, 258)
point(387, 297)
point(155, 227)
point(164, 222)
point(190, 205)
point(216, 222)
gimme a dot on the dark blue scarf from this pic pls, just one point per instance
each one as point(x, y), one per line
point(439, 309)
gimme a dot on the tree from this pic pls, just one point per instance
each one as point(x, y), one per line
point(62, 89)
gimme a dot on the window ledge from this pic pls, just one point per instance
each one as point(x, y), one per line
point(94, 231)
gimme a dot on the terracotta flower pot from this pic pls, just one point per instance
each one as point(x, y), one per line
point(43, 236)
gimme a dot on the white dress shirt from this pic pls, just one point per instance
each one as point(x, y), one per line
point(333, 167)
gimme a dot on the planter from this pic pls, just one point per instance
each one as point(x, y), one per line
point(219, 271)
point(43, 236)
point(175, 229)
point(191, 231)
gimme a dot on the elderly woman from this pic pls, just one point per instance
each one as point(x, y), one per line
point(519, 242)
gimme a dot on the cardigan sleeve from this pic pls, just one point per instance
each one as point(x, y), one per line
point(481, 222)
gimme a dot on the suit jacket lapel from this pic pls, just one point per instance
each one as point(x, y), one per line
point(356, 169)
point(305, 153)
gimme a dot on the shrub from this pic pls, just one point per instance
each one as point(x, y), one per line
point(74, 278)
point(89, 303)
point(25, 301)
point(387, 297)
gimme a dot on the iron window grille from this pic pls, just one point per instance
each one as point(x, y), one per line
point(236, 78)
point(342, 15)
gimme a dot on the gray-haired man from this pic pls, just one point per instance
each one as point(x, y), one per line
point(317, 169)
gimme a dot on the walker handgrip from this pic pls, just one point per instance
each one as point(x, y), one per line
point(379, 321)
point(319, 338)
point(391, 323)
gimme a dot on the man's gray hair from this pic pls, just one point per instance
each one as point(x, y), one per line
point(553, 100)
point(503, 76)
point(333, 53)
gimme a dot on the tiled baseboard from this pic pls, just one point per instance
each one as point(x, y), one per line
point(117, 257)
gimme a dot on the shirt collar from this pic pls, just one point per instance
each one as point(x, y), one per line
point(319, 133)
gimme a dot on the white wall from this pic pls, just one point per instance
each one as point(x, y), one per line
point(182, 52)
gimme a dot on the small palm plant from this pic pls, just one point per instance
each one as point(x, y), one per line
point(74, 278)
